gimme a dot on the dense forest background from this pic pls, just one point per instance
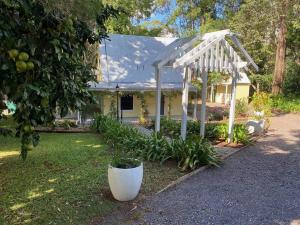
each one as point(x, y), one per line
point(269, 29)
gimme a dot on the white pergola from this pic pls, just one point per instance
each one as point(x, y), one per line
point(208, 53)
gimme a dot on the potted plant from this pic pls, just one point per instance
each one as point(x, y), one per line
point(125, 177)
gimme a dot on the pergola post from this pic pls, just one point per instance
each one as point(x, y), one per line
point(158, 99)
point(211, 92)
point(185, 97)
point(232, 107)
point(203, 102)
point(195, 105)
point(226, 94)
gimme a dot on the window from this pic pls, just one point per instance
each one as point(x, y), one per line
point(127, 102)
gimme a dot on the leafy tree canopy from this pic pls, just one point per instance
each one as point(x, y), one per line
point(43, 64)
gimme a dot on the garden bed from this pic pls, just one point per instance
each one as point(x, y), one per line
point(215, 131)
point(63, 130)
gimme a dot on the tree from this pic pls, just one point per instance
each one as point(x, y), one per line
point(189, 15)
point(281, 49)
point(262, 25)
point(43, 63)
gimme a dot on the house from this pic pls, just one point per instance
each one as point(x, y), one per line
point(127, 82)
point(220, 92)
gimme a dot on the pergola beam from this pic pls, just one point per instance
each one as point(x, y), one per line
point(165, 58)
point(243, 50)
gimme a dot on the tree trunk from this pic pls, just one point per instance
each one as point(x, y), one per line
point(280, 58)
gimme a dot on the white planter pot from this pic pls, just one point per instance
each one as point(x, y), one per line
point(125, 184)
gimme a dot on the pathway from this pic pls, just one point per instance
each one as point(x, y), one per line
point(258, 185)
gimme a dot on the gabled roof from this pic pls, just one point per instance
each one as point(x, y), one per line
point(127, 60)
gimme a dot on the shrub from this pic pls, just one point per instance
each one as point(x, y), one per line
point(193, 153)
point(289, 103)
point(156, 148)
point(213, 131)
point(261, 102)
point(170, 127)
point(216, 116)
point(241, 107)
point(216, 131)
point(66, 124)
point(240, 134)
point(188, 154)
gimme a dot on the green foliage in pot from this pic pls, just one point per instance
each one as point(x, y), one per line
point(124, 163)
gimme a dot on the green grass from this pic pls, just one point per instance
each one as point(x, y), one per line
point(63, 180)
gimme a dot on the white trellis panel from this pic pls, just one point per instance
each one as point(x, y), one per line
point(200, 63)
point(217, 59)
point(206, 60)
point(192, 55)
point(211, 59)
point(222, 58)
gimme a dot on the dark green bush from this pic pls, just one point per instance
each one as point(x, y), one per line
point(193, 153)
point(216, 131)
point(213, 131)
point(156, 148)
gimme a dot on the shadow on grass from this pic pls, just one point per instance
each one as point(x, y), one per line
point(57, 183)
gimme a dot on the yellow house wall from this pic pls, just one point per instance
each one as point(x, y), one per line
point(242, 92)
point(176, 109)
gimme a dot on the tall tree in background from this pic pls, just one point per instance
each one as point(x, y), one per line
point(189, 15)
point(263, 28)
point(279, 70)
point(127, 22)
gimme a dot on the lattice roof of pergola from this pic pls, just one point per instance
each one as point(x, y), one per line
point(210, 52)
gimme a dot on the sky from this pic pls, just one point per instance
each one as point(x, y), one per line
point(162, 16)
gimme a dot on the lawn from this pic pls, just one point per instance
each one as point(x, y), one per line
point(63, 180)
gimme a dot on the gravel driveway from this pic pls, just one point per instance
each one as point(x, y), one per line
point(258, 185)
